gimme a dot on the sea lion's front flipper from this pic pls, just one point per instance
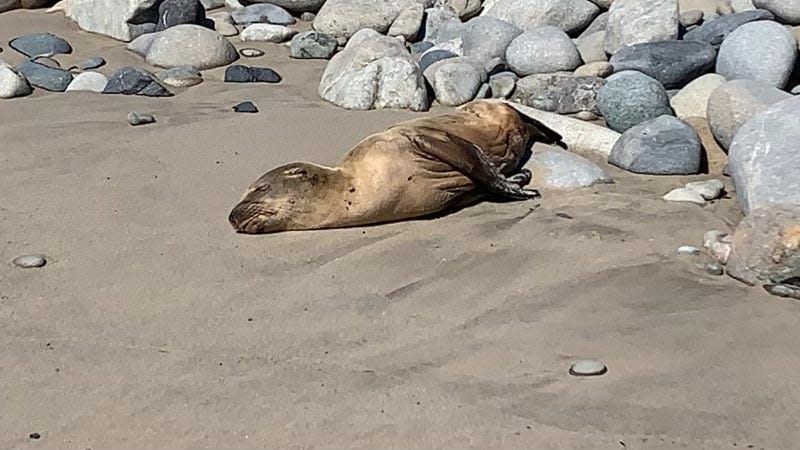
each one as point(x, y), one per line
point(470, 160)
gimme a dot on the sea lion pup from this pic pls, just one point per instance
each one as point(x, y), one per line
point(413, 169)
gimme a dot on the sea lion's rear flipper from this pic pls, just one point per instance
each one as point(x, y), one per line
point(470, 160)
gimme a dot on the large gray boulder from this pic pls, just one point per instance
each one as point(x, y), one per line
point(343, 18)
point(569, 15)
point(762, 50)
point(374, 71)
point(786, 10)
point(764, 159)
point(732, 104)
point(120, 19)
point(630, 98)
point(544, 49)
point(484, 38)
point(662, 146)
point(455, 81)
point(673, 63)
point(715, 31)
point(190, 45)
point(639, 21)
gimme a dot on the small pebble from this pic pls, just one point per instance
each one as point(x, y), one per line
point(30, 261)
point(587, 116)
point(709, 189)
point(35, 436)
point(308, 16)
point(251, 52)
point(246, 107)
point(140, 119)
point(684, 195)
point(587, 368)
point(688, 250)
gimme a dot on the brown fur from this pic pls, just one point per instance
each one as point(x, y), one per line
point(412, 169)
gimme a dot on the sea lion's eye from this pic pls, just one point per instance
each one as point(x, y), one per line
point(295, 171)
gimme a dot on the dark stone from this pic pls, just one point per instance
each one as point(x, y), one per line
point(132, 81)
point(92, 63)
point(629, 98)
point(49, 78)
point(434, 56)
point(715, 31)
point(246, 107)
point(662, 146)
point(179, 12)
point(245, 74)
point(313, 45)
point(40, 44)
point(559, 93)
point(418, 48)
point(262, 13)
point(672, 63)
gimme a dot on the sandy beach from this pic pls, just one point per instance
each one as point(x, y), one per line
point(154, 325)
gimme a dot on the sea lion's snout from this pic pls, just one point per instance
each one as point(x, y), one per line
point(251, 217)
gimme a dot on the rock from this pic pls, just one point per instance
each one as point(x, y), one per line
point(692, 100)
point(191, 45)
point(599, 69)
point(662, 146)
point(12, 83)
point(454, 46)
point(44, 77)
point(407, 23)
point(630, 98)
point(712, 237)
point(430, 57)
point(9, 5)
point(343, 18)
point(313, 45)
point(766, 248)
point(267, 33)
point(559, 93)
point(485, 38)
point(787, 11)
point(120, 19)
point(568, 15)
point(738, 6)
point(592, 47)
point(690, 18)
point(45, 61)
point(733, 103)
point(92, 63)
point(586, 116)
point(763, 157)
point(251, 52)
point(684, 195)
point(502, 86)
point(180, 12)
point(672, 63)
point(30, 262)
point(141, 45)
point(762, 50)
point(418, 48)
point(132, 81)
point(296, 6)
point(262, 13)
point(688, 250)
point(588, 367)
point(556, 169)
point(715, 31)
point(88, 81)
point(708, 189)
point(639, 21)
point(136, 119)
point(245, 107)
point(246, 74)
point(40, 44)
point(542, 50)
point(374, 71)
point(180, 76)
point(605, 4)
point(714, 157)
point(224, 24)
point(434, 19)
point(455, 83)
point(485, 91)
point(495, 66)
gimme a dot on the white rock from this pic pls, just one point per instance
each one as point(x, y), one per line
point(120, 19)
point(88, 81)
point(709, 189)
point(684, 195)
point(639, 21)
point(688, 250)
point(692, 100)
point(30, 261)
point(267, 33)
point(12, 83)
point(587, 367)
point(191, 45)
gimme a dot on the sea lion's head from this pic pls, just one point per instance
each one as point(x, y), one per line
point(282, 199)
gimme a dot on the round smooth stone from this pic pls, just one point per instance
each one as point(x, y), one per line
point(688, 250)
point(588, 368)
point(136, 119)
point(30, 261)
point(251, 52)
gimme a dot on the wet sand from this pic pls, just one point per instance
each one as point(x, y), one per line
point(154, 325)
